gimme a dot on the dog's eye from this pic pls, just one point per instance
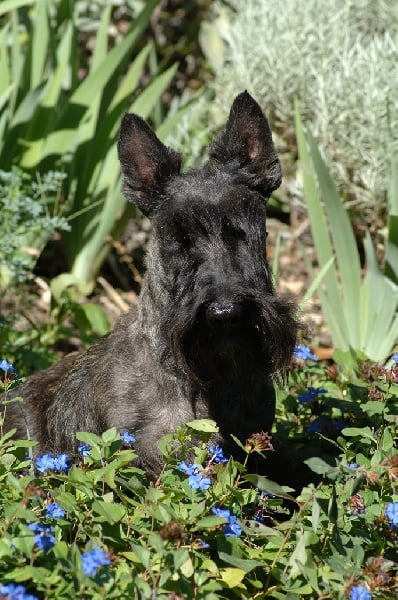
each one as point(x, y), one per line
point(234, 231)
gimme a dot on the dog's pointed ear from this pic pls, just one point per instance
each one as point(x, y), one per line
point(146, 164)
point(247, 144)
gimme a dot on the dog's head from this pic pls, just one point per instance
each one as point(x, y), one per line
point(219, 311)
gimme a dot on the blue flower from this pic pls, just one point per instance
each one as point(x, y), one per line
point(44, 463)
point(93, 560)
point(232, 528)
point(303, 353)
point(354, 466)
point(127, 438)
point(392, 513)
point(54, 511)
point(84, 450)
point(13, 591)
point(360, 593)
point(61, 462)
point(198, 482)
point(191, 469)
point(6, 366)
point(47, 462)
point(311, 394)
point(325, 425)
point(221, 512)
point(217, 454)
point(44, 535)
point(395, 357)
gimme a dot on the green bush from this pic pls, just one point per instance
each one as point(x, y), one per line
point(338, 59)
point(58, 108)
point(28, 218)
point(207, 529)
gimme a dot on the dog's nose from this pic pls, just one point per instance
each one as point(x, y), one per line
point(224, 313)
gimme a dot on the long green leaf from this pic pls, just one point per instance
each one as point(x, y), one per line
point(391, 262)
point(5, 79)
point(9, 5)
point(379, 301)
point(316, 282)
point(40, 42)
point(347, 256)
point(150, 96)
point(321, 238)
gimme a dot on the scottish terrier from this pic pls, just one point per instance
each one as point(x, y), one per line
point(209, 335)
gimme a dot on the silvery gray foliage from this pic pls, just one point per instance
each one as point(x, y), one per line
point(339, 59)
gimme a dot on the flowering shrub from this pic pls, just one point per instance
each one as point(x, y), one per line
point(207, 528)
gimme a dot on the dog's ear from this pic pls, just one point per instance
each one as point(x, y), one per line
point(146, 163)
point(246, 144)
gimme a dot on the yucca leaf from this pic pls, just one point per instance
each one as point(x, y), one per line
point(5, 79)
point(391, 262)
point(101, 39)
point(315, 284)
point(379, 300)
point(331, 297)
point(345, 247)
point(39, 44)
point(9, 5)
point(143, 105)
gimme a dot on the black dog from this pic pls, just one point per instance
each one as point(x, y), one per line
point(210, 334)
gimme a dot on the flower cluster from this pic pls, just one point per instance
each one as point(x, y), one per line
point(303, 353)
point(359, 592)
point(54, 511)
point(44, 535)
point(232, 528)
point(325, 425)
point(8, 369)
point(259, 442)
point(311, 394)
point(48, 462)
point(392, 513)
point(93, 560)
point(6, 366)
point(197, 480)
point(216, 454)
point(12, 591)
point(127, 438)
point(84, 450)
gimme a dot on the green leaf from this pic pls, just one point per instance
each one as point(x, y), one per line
point(362, 432)
point(111, 512)
point(232, 577)
point(96, 317)
point(344, 243)
point(209, 522)
point(244, 564)
point(269, 486)
point(318, 465)
point(9, 5)
point(204, 425)
point(331, 299)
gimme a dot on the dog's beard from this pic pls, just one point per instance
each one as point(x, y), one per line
point(263, 340)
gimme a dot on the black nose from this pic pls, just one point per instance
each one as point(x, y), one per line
point(224, 313)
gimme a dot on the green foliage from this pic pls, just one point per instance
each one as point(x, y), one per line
point(361, 311)
point(337, 59)
point(50, 114)
point(33, 348)
point(28, 219)
point(163, 539)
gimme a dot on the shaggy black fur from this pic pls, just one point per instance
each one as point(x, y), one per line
point(209, 334)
